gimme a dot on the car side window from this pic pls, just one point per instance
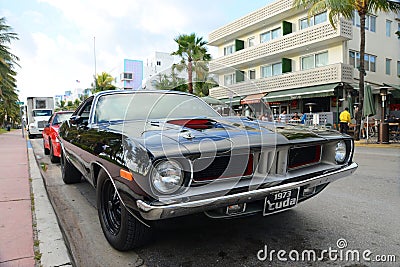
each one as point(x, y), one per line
point(55, 120)
point(84, 111)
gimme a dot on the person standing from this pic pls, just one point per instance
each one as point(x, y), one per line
point(345, 120)
point(282, 117)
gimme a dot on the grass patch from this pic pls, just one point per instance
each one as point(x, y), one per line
point(44, 166)
point(2, 130)
point(38, 255)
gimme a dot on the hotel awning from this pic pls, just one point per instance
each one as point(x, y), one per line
point(300, 93)
point(252, 99)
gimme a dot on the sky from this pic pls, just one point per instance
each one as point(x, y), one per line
point(60, 40)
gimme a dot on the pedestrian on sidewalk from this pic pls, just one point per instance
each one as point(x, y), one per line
point(345, 120)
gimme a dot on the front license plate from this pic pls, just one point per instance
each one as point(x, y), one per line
point(280, 201)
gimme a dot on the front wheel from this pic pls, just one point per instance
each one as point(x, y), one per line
point(69, 173)
point(122, 230)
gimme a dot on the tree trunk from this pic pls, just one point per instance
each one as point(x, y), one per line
point(190, 77)
point(362, 74)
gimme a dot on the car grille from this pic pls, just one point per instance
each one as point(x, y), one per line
point(41, 124)
point(218, 167)
point(302, 156)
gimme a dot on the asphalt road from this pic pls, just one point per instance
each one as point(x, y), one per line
point(357, 215)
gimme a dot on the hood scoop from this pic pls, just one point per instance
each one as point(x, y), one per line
point(196, 124)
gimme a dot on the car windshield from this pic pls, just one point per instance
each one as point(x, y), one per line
point(150, 106)
point(42, 112)
point(61, 117)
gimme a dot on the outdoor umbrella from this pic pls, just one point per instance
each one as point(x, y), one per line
point(369, 106)
point(350, 105)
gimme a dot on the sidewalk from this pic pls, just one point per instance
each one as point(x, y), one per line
point(16, 234)
point(20, 183)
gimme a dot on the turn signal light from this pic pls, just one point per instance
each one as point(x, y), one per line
point(126, 175)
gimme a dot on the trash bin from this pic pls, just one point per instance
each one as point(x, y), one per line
point(383, 133)
point(8, 127)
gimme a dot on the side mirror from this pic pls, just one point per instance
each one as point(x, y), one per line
point(74, 120)
point(47, 125)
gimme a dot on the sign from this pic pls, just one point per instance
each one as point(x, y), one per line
point(19, 103)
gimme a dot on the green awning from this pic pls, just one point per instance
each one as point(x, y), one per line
point(235, 100)
point(301, 93)
point(396, 92)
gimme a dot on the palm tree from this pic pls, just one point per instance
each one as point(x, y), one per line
point(7, 59)
point(346, 9)
point(193, 52)
point(104, 81)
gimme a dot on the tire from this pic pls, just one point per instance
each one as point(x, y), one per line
point(122, 230)
point(46, 150)
point(69, 173)
point(53, 158)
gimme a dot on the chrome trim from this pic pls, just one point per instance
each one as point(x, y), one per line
point(150, 211)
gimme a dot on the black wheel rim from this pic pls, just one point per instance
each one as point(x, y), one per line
point(111, 208)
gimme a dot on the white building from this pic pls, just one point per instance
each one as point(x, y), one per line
point(275, 54)
point(160, 62)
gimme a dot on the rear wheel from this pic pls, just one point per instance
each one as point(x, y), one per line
point(69, 173)
point(46, 150)
point(53, 158)
point(122, 230)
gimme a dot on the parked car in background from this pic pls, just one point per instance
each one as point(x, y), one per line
point(153, 155)
point(51, 145)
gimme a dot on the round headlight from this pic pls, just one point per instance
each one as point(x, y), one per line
point(340, 152)
point(167, 177)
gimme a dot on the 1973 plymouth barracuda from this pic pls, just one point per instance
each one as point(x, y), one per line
point(153, 155)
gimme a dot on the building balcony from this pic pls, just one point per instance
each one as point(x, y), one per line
point(329, 74)
point(296, 42)
point(253, 21)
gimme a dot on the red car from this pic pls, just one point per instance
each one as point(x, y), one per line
point(51, 144)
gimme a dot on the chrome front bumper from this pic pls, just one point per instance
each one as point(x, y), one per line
point(153, 212)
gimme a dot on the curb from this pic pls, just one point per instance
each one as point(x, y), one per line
point(51, 241)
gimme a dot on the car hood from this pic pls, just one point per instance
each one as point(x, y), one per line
point(215, 135)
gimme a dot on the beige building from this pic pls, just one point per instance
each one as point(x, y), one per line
point(277, 55)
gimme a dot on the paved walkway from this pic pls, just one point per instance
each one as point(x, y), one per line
point(16, 233)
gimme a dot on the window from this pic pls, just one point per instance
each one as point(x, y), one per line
point(370, 21)
point(126, 76)
point(229, 50)
point(158, 63)
point(40, 103)
point(252, 74)
point(229, 79)
point(251, 41)
point(269, 35)
point(271, 70)
point(398, 68)
point(321, 59)
point(369, 61)
point(388, 63)
point(388, 28)
point(276, 33)
point(314, 20)
point(315, 60)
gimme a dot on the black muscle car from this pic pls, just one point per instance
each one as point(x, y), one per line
point(153, 155)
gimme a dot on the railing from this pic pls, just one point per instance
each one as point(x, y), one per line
point(284, 45)
point(251, 19)
point(334, 73)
